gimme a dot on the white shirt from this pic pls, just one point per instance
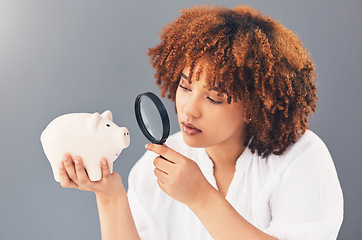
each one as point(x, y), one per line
point(296, 195)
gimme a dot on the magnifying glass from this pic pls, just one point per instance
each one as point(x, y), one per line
point(152, 117)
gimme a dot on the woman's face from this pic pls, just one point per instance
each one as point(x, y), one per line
point(207, 120)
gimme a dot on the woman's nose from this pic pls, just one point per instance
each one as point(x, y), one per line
point(192, 107)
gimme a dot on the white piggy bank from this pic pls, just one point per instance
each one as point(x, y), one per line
point(90, 136)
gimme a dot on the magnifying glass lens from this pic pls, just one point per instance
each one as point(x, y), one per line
point(151, 118)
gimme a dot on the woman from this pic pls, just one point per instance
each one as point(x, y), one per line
point(244, 165)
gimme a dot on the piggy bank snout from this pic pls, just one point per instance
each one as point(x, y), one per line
point(124, 137)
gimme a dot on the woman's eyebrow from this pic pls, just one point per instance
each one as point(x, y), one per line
point(216, 89)
point(184, 76)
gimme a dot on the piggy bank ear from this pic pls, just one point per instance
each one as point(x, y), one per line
point(93, 121)
point(108, 115)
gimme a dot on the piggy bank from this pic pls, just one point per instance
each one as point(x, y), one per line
point(90, 136)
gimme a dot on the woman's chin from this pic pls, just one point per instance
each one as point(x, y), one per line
point(193, 140)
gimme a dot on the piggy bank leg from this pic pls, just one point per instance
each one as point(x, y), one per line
point(94, 172)
point(110, 164)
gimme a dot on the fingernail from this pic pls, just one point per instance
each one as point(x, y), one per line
point(65, 157)
point(104, 162)
point(61, 165)
point(76, 161)
point(147, 145)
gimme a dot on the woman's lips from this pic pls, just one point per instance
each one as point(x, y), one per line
point(190, 129)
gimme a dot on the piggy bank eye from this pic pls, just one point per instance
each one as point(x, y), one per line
point(108, 125)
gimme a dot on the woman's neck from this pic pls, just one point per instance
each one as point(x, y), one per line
point(225, 155)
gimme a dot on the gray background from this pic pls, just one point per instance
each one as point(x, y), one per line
point(58, 57)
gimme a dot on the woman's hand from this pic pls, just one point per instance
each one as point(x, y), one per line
point(115, 215)
point(73, 175)
point(179, 176)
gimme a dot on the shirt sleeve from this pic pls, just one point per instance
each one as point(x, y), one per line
point(138, 188)
point(308, 203)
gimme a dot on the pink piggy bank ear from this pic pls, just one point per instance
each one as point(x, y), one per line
point(93, 121)
point(108, 115)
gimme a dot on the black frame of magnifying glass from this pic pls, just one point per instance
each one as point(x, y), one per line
point(163, 113)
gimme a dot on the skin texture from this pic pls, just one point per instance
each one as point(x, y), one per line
point(223, 130)
point(210, 113)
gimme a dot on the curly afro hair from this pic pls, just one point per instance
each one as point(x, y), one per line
point(253, 59)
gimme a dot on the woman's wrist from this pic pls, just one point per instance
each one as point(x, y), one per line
point(114, 196)
point(115, 215)
point(201, 200)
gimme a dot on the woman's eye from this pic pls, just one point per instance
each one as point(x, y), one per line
point(213, 101)
point(184, 88)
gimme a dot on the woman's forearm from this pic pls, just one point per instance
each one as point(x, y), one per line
point(115, 217)
point(222, 221)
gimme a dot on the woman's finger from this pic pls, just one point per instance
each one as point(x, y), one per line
point(106, 172)
point(64, 179)
point(161, 185)
point(161, 175)
point(82, 177)
point(163, 165)
point(166, 152)
point(69, 167)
